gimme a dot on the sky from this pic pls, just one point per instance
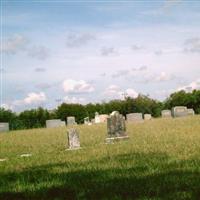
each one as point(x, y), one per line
point(94, 51)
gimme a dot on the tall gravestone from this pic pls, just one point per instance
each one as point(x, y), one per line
point(97, 118)
point(166, 113)
point(134, 117)
point(4, 126)
point(73, 139)
point(147, 116)
point(52, 123)
point(116, 127)
point(191, 111)
point(179, 111)
point(71, 120)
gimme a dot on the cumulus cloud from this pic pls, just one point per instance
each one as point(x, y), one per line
point(114, 91)
point(14, 44)
point(78, 100)
point(106, 51)
point(163, 76)
point(74, 86)
point(39, 52)
point(195, 85)
point(33, 98)
point(192, 45)
point(77, 40)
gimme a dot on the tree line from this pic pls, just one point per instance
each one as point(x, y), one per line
point(36, 118)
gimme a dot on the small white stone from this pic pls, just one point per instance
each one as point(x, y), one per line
point(26, 155)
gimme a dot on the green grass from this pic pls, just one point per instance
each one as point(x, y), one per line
point(161, 160)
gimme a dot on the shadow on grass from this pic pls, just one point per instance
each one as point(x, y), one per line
point(150, 176)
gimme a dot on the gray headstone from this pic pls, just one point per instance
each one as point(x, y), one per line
point(52, 123)
point(4, 126)
point(166, 113)
point(73, 138)
point(86, 120)
point(134, 117)
point(147, 116)
point(116, 127)
point(191, 111)
point(179, 111)
point(71, 121)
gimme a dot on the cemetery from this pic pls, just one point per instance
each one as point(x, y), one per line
point(100, 100)
point(73, 160)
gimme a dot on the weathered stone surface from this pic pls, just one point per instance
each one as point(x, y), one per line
point(86, 120)
point(62, 123)
point(4, 126)
point(52, 123)
point(71, 121)
point(134, 117)
point(73, 138)
point(191, 111)
point(166, 113)
point(179, 111)
point(147, 116)
point(96, 118)
point(116, 126)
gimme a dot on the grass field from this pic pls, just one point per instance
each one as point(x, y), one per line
point(161, 160)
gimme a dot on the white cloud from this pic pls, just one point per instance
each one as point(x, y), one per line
point(195, 85)
point(68, 99)
point(14, 44)
point(115, 91)
point(74, 86)
point(33, 98)
point(163, 76)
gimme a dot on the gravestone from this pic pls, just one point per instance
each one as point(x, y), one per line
point(116, 127)
point(86, 120)
point(62, 123)
point(73, 139)
point(147, 116)
point(166, 113)
point(179, 111)
point(71, 121)
point(4, 126)
point(97, 118)
point(134, 117)
point(191, 111)
point(52, 123)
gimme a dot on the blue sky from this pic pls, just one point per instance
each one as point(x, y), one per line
point(93, 51)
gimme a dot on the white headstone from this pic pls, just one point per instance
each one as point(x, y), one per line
point(179, 111)
point(71, 121)
point(147, 116)
point(52, 123)
point(166, 113)
point(134, 117)
point(73, 138)
point(4, 126)
point(191, 111)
